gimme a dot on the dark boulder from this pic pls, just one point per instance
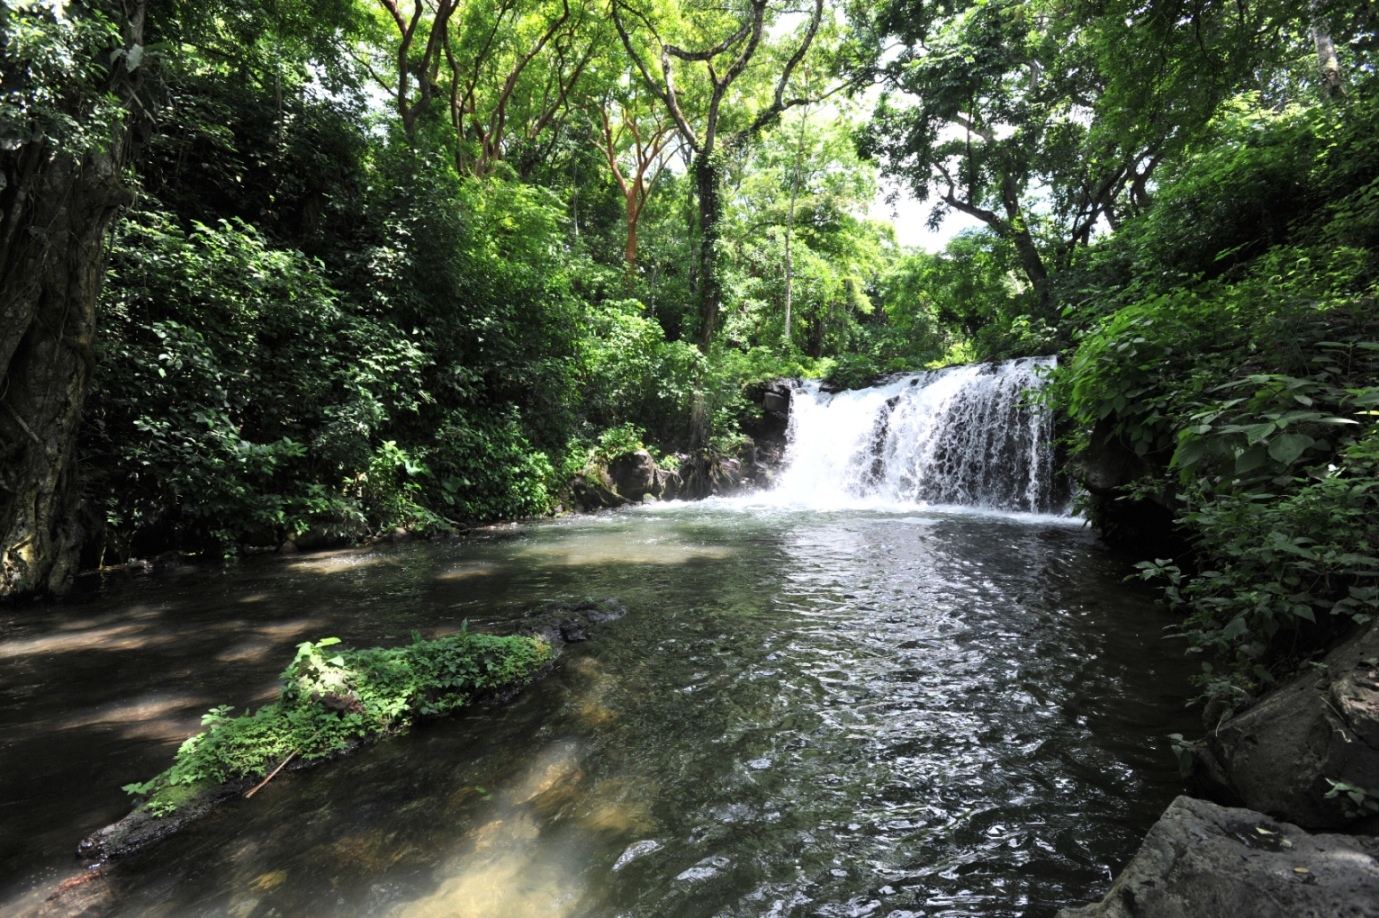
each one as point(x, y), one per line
point(569, 623)
point(634, 475)
point(1144, 525)
point(708, 474)
point(1201, 860)
point(668, 484)
point(593, 490)
point(768, 426)
point(1280, 755)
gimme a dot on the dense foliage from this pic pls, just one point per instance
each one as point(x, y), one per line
point(1237, 353)
point(415, 263)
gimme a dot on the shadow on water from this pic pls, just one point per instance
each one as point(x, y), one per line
point(804, 714)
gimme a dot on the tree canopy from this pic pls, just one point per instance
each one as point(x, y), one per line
point(288, 270)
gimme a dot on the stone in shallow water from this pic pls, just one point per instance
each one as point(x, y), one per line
point(706, 869)
point(1201, 860)
point(636, 850)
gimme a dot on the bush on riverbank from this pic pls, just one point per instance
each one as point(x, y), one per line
point(1233, 359)
point(334, 698)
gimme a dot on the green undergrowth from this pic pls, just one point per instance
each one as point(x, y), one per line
point(334, 698)
point(1239, 370)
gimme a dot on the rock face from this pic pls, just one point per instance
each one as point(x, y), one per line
point(1202, 861)
point(768, 427)
point(634, 475)
point(1143, 525)
point(1276, 757)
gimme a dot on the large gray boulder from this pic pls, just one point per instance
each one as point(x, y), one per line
point(634, 475)
point(1280, 756)
point(1206, 861)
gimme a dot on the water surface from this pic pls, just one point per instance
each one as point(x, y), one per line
point(804, 714)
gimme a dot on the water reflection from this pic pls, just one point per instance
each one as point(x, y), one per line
point(804, 714)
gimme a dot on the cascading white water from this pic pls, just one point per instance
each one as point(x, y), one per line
point(962, 435)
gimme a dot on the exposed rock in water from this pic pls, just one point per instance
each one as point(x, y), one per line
point(592, 489)
point(633, 478)
point(557, 624)
point(1280, 755)
point(768, 427)
point(568, 623)
point(707, 474)
point(1203, 861)
point(634, 475)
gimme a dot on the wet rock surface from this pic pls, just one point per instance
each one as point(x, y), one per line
point(634, 475)
point(1201, 860)
point(569, 623)
point(634, 478)
point(1280, 755)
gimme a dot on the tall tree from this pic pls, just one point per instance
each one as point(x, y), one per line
point(1046, 120)
point(693, 64)
point(637, 142)
point(70, 79)
point(504, 71)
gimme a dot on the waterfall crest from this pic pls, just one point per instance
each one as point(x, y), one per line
point(963, 435)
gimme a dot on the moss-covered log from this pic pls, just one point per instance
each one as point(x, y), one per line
point(333, 700)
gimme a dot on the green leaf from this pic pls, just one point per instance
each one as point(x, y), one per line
point(1303, 611)
point(1287, 447)
point(1249, 460)
point(1234, 629)
point(1188, 452)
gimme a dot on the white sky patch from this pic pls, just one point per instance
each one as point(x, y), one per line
point(911, 218)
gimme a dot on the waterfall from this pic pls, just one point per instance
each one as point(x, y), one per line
point(964, 435)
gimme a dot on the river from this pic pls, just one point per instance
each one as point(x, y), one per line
point(833, 699)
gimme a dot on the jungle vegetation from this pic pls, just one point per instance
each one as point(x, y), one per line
point(268, 265)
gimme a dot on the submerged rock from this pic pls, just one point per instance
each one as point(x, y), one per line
point(568, 623)
point(1202, 861)
point(1280, 756)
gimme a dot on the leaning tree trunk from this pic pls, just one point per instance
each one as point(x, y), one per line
point(56, 206)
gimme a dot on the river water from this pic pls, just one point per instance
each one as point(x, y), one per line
point(853, 712)
point(898, 684)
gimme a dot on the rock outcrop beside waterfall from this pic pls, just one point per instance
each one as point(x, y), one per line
point(634, 477)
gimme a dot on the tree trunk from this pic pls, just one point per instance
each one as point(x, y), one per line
point(1327, 61)
point(56, 206)
point(710, 293)
point(1030, 260)
point(57, 210)
point(634, 213)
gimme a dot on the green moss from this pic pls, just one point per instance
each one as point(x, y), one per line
point(334, 697)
